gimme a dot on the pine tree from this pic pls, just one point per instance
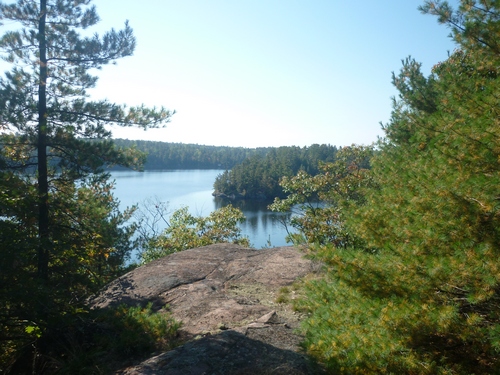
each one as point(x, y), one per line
point(422, 295)
point(61, 234)
point(44, 99)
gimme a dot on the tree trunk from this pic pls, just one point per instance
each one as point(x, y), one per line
point(43, 185)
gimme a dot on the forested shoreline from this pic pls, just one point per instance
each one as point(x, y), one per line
point(249, 173)
point(406, 231)
point(167, 155)
point(259, 176)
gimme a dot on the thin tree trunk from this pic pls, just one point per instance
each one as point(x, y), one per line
point(43, 185)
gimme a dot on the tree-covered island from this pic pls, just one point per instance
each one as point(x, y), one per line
point(249, 173)
point(406, 232)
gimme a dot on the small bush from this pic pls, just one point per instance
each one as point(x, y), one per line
point(283, 295)
point(102, 341)
point(186, 231)
point(141, 331)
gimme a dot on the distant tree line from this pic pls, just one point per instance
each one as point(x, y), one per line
point(258, 176)
point(164, 155)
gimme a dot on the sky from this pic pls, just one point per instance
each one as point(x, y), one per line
point(260, 73)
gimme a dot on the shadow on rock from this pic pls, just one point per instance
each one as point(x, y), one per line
point(228, 353)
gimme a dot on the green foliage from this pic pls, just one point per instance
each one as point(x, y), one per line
point(258, 176)
point(318, 202)
point(166, 155)
point(283, 295)
point(419, 293)
point(48, 123)
point(98, 341)
point(474, 24)
point(92, 244)
point(186, 231)
point(61, 233)
point(294, 294)
point(134, 331)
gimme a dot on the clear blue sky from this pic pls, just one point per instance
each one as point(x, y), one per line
point(267, 72)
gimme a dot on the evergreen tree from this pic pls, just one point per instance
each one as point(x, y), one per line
point(258, 176)
point(421, 295)
point(318, 202)
point(44, 97)
point(62, 235)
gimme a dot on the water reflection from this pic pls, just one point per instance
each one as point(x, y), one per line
point(261, 223)
point(193, 188)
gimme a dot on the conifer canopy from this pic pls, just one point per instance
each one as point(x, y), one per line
point(419, 291)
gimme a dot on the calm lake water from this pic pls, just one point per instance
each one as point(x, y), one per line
point(193, 189)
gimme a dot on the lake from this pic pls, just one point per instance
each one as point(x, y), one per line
point(193, 189)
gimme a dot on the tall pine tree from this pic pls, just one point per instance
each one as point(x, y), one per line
point(61, 234)
point(422, 296)
point(44, 99)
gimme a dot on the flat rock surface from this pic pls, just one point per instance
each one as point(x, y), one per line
point(225, 296)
